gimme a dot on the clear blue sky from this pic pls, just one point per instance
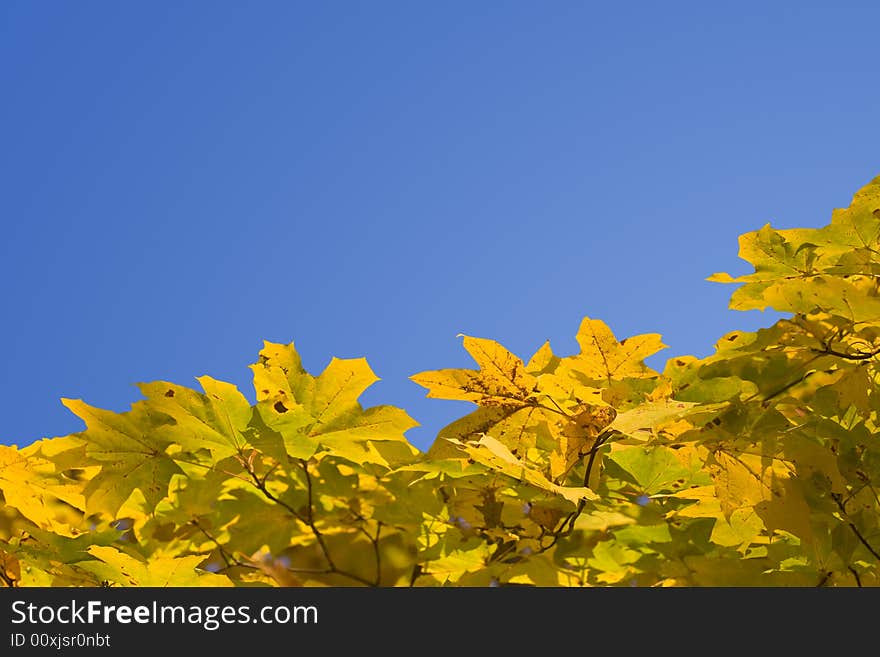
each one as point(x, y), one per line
point(183, 180)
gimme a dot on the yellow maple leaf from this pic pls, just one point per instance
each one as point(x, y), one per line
point(602, 357)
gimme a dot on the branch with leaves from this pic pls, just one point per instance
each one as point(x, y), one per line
point(582, 469)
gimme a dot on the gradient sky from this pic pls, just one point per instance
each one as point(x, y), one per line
point(183, 180)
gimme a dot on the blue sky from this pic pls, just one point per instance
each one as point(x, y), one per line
point(180, 182)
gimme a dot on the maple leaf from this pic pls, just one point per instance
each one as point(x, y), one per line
point(829, 269)
point(117, 567)
point(132, 453)
point(30, 485)
point(323, 413)
point(217, 420)
point(602, 357)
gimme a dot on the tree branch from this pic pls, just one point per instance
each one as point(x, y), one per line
point(855, 530)
point(374, 540)
point(567, 525)
point(416, 571)
point(788, 386)
point(855, 574)
point(228, 559)
point(378, 553)
point(308, 521)
point(862, 355)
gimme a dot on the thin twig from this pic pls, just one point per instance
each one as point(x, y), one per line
point(228, 559)
point(308, 521)
point(787, 386)
point(862, 355)
point(852, 526)
point(855, 574)
point(567, 525)
point(416, 571)
point(373, 539)
point(378, 553)
point(561, 410)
